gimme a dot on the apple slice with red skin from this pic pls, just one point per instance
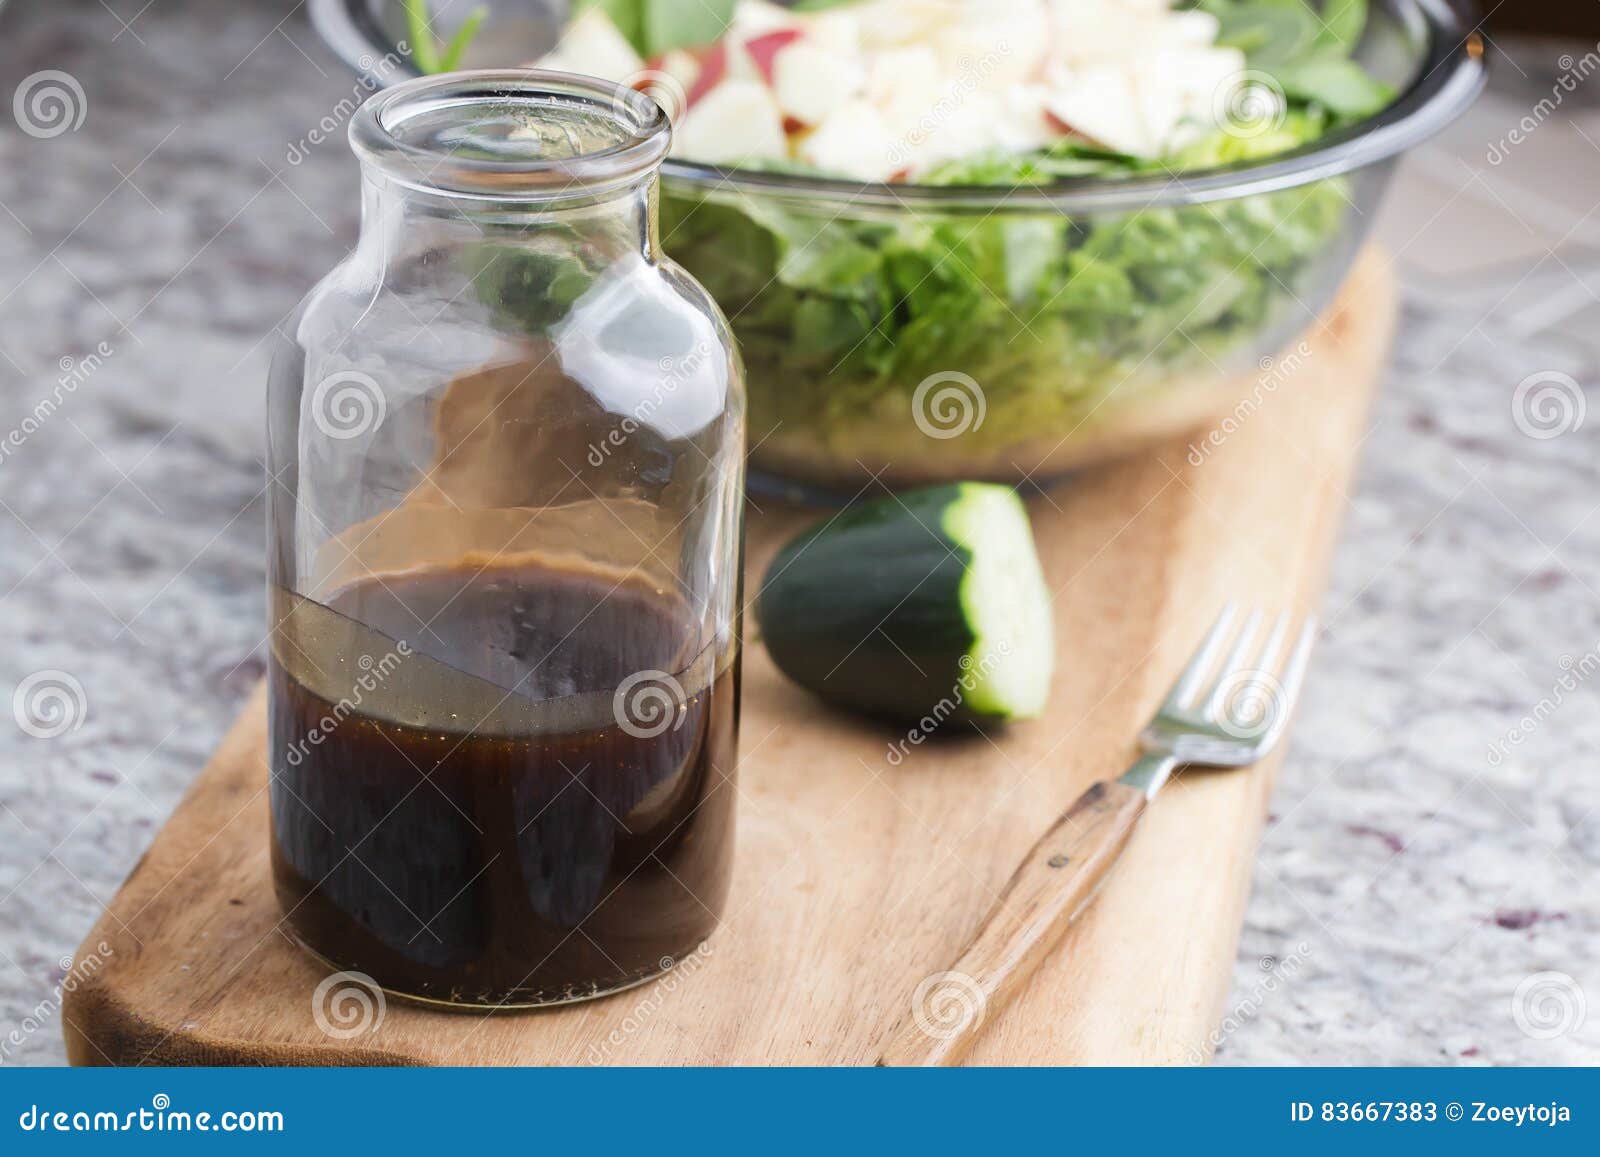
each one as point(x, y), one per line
point(766, 46)
point(713, 59)
point(1063, 127)
point(713, 67)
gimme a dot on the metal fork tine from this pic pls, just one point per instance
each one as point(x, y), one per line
point(1272, 649)
point(1294, 671)
point(1238, 654)
point(1209, 734)
point(1194, 674)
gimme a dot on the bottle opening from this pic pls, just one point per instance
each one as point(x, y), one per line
point(511, 133)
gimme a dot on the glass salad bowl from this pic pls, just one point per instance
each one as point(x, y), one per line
point(915, 332)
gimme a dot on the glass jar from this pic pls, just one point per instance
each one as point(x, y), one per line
point(506, 445)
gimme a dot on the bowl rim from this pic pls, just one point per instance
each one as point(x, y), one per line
point(1452, 73)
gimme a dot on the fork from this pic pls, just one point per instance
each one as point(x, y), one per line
point(1228, 719)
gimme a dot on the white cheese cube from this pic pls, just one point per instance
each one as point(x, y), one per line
point(810, 82)
point(594, 46)
point(738, 120)
point(854, 142)
point(1101, 104)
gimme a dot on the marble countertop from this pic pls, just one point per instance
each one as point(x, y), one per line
point(1431, 863)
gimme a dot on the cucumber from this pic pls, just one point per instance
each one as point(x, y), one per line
point(922, 607)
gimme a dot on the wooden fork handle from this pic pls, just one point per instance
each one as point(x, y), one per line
point(1050, 887)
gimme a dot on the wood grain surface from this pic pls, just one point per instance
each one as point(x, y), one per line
point(1055, 881)
point(857, 874)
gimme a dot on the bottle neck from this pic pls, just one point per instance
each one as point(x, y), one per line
point(401, 220)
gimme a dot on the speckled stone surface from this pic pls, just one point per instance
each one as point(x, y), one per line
point(1415, 877)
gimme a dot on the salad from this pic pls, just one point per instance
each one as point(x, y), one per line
point(917, 90)
point(918, 343)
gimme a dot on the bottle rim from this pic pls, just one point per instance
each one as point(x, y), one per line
point(639, 133)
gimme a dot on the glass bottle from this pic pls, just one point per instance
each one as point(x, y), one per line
point(506, 455)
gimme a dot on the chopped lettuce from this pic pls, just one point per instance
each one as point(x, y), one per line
point(841, 312)
point(657, 26)
point(1305, 48)
point(427, 53)
point(840, 315)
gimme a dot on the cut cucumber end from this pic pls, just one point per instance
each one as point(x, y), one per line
point(1006, 672)
point(921, 608)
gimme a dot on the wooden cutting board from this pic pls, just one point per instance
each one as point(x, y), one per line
point(855, 877)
